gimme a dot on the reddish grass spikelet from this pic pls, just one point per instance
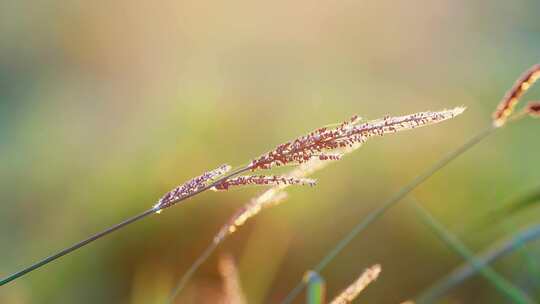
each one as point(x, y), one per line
point(188, 188)
point(349, 294)
point(326, 156)
point(318, 143)
point(389, 125)
point(511, 99)
point(263, 180)
point(305, 147)
point(533, 109)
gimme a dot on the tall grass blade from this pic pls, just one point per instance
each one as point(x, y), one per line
point(504, 286)
point(467, 270)
point(522, 202)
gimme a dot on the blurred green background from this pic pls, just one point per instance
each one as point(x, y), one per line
point(104, 106)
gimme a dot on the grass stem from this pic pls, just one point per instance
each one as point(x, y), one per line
point(187, 276)
point(107, 231)
point(504, 286)
point(467, 270)
point(76, 246)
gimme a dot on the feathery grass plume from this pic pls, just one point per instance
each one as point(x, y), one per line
point(318, 143)
point(232, 289)
point(511, 99)
point(305, 147)
point(263, 180)
point(533, 109)
point(190, 187)
point(349, 294)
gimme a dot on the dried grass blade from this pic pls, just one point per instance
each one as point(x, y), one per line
point(349, 294)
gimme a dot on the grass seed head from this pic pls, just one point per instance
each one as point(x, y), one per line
point(533, 109)
point(320, 142)
point(188, 188)
point(263, 180)
point(349, 294)
point(508, 103)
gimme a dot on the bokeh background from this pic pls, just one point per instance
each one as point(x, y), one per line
point(106, 105)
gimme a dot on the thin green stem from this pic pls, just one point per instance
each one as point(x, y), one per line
point(76, 246)
point(377, 213)
point(211, 185)
point(187, 276)
point(109, 230)
point(467, 270)
point(504, 286)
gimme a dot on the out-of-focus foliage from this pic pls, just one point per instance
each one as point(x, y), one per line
point(316, 288)
point(106, 106)
point(523, 202)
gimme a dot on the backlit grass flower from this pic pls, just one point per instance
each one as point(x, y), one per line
point(190, 187)
point(349, 294)
point(323, 143)
point(511, 99)
point(263, 180)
